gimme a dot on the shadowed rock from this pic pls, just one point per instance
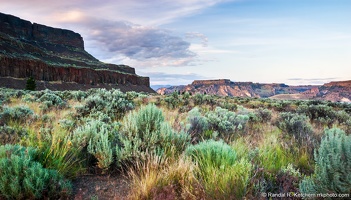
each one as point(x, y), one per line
point(52, 54)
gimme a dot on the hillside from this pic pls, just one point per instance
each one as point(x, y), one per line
point(57, 60)
point(225, 87)
point(334, 91)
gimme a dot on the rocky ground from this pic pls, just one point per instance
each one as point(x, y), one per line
point(102, 187)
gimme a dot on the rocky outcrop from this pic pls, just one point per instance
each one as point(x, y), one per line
point(211, 82)
point(336, 91)
point(25, 30)
point(225, 87)
point(339, 91)
point(51, 54)
point(338, 83)
point(41, 71)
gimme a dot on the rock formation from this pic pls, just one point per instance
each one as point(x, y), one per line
point(225, 87)
point(334, 91)
point(57, 60)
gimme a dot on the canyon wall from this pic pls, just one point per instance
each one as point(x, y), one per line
point(52, 54)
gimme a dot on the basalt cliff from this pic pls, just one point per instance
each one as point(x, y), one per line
point(334, 91)
point(56, 59)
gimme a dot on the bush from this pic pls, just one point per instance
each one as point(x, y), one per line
point(91, 131)
point(220, 173)
point(198, 125)
point(273, 156)
point(212, 153)
point(113, 102)
point(49, 100)
point(333, 165)
point(263, 114)
point(100, 147)
point(298, 127)
point(11, 135)
point(30, 84)
point(226, 122)
point(97, 138)
point(24, 178)
point(145, 131)
point(18, 114)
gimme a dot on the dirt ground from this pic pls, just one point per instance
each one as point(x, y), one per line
point(100, 187)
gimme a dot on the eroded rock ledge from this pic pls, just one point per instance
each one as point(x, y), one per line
point(57, 55)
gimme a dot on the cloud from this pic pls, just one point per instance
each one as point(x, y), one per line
point(132, 44)
point(122, 31)
point(161, 78)
point(198, 36)
point(146, 12)
point(312, 81)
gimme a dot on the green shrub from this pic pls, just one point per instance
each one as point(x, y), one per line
point(212, 153)
point(50, 99)
point(198, 99)
point(272, 156)
point(198, 125)
point(299, 129)
point(24, 178)
point(91, 130)
point(11, 135)
point(219, 171)
point(30, 84)
point(100, 147)
point(18, 114)
point(226, 122)
point(173, 100)
point(113, 102)
point(263, 114)
point(333, 165)
point(145, 131)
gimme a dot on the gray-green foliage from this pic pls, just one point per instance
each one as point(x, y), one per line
point(91, 129)
point(98, 137)
point(198, 125)
point(100, 147)
point(11, 135)
point(220, 121)
point(24, 178)
point(263, 114)
point(113, 102)
point(50, 99)
point(333, 165)
point(146, 131)
point(226, 122)
point(7, 93)
point(18, 114)
point(298, 127)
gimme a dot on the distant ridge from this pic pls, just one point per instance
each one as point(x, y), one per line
point(334, 91)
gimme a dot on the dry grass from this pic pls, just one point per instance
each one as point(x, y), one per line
point(160, 178)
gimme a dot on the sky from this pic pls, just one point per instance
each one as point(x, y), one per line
point(297, 42)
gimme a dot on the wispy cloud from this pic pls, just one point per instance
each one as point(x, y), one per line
point(161, 78)
point(122, 31)
point(312, 81)
point(150, 12)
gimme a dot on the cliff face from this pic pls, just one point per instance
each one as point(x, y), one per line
point(51, 54)
point(225, 87)
point(334, 91)
point(16, 27)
